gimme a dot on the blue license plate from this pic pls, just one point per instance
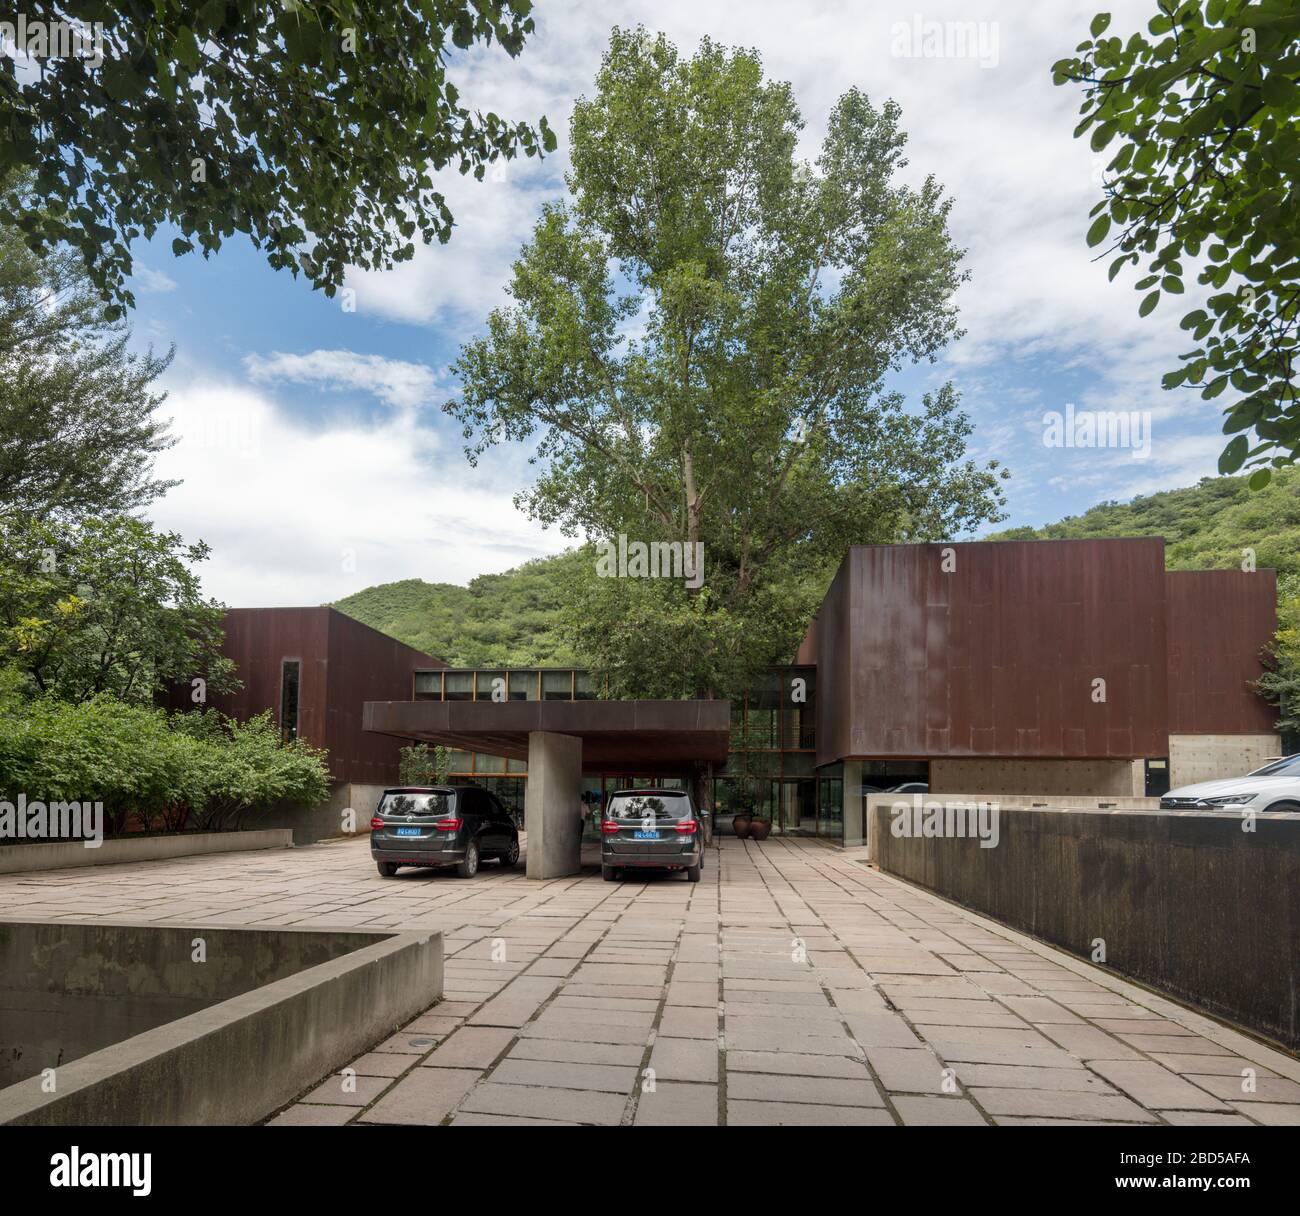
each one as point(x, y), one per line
point(408, 831)
point(639, 835)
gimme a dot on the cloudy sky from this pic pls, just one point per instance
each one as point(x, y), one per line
point(316, 459)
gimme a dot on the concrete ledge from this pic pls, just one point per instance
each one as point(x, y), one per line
point(1056, 802)
point(1187, 903)
point(63, 854)
point(238, 1061)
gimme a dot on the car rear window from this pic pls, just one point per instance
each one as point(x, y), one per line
point(647, 806)
point(416, 804)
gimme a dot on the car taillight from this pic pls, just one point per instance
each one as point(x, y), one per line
point(687, 826)
point(448, 825)
point(608, 826)
point(376, 823)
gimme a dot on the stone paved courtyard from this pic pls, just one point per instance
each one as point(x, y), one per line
point(792, 985)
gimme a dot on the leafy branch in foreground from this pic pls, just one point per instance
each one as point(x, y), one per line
point(315, 129)
point(1207, 168)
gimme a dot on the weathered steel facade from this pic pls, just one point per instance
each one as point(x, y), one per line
point(1219, 622)
point(342, 665)
point(1066, 649)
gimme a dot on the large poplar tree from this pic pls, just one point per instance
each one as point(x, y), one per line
point(700, 342)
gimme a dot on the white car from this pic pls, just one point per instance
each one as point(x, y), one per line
point(1275, 787)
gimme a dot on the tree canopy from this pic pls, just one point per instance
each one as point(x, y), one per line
point(78, 412)
point(700, 341)
point(106, 606)
point(316, 129)
point(1205, 113)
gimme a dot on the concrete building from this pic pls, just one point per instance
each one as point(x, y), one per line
point(1073, 668)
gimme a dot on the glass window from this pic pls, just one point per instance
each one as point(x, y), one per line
point(797, 763)
point(523, 686)
point(489, 686)
point(557, 686)
point(415, 804)
point(516, 766)
point(664, 805)
point(483, 763)
point(459, 686)
point(458, 761)
point(289, 670)
point(428, 684)
point(582, 687)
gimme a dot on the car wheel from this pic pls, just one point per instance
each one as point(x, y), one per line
point(511, 856)
point(469, 866)
point(693, 872)
point(610, 873)
point(387, 868)
point(1287, 804)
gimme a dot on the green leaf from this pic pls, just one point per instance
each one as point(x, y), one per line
point(1099, 24)
point(1234, 455)
point(187, 48)
point(1103, 135)
point(1097, 233)
point(1259, 479)
point(1148, 304)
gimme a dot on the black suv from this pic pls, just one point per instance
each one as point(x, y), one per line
point(442, 825)
point(650, 830)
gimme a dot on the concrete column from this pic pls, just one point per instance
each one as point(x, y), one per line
point(853, 803)
point(553, 804)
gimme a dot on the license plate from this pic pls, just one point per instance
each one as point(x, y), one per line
point(408, 831)
point(640, 835)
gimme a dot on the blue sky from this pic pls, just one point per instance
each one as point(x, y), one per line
point(316, 460)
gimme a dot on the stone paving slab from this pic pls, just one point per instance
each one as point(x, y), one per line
point(792, 985)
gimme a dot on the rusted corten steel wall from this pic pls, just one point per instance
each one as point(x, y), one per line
point(997, 655)
point(257, 640)
point(366, 665)
point(343, 664)
point(1219, 622)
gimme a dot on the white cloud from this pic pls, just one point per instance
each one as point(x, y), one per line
point(998, 138)
point(296, 515)
point(391, 380)
point(155, 281)
point(281, 503)
point(462, 281)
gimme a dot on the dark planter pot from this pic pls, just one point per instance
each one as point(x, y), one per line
point(740, 825)
point(759, 829)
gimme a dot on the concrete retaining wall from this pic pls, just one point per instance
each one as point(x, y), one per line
point(1185, 902)
point(1117, 778)
point(235, 1061)
point(1194, 758)
point(59, 855)
point(325, 819)
point(1042, 801)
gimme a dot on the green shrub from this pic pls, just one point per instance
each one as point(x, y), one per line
point(192, 770)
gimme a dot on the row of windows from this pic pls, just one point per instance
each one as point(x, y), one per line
point(484, 684)
point(777, 713)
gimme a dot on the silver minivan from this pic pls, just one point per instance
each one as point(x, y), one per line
point(650, 830)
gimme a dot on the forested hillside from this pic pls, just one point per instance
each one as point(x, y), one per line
point(1205, 526)
point(512, 619)
point(503, 620)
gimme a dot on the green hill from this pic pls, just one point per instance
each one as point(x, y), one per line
point(511, 619)
point(499, 620)
point(1205, 526)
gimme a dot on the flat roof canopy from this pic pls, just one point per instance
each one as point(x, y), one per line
point(646, 736)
